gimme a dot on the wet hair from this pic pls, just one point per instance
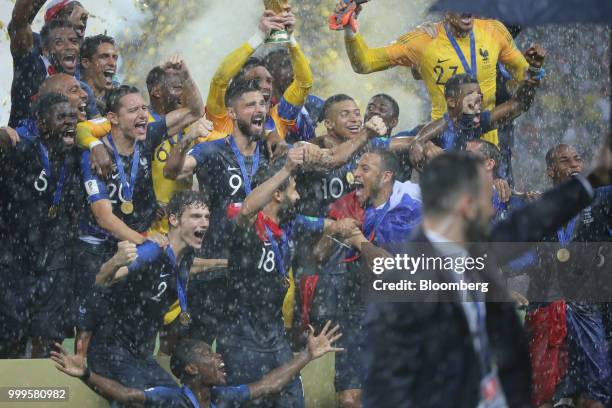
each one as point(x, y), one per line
point(43, 104)
point(488, 151)
point(448, 176)
point(388, 160)
point(252, 62)
point(266, 172)
point(454, 84)
point(551, 154)
point(330, 102)
point(90, 45)
point(393, 102)
point(274, 57)
point(185, 353)
point(113, 97)
point(68, 9)
point(183, 199)
point(155, 77)
point(45, 32)
point(237, 88)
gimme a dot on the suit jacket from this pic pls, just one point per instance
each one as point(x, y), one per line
point(422, 354)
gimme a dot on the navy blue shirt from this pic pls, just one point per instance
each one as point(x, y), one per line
point(28, 193)
point(145, 205)
point(139, 302)
point(220, 178)
point(456, 139)
point(222, 397)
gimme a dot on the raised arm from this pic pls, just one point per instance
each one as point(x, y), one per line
point(109, 389)
point(106, 219)
point(179, 165)
point(194, 105)
point(207, 265)
point(8, 138)
point(126, 254)
point(277, 379)
point(262, 195)
point(20, 27)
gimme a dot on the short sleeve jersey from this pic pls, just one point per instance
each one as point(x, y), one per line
point(220, 178)
point(222, 397)
point(139, 302)
point(143, 197)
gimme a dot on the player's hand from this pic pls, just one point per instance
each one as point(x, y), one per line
point(601, 175)
point(314, 156)
point(176, 63)
point(341, 6)
point(126, 253)
point(201, 128)
point(503, 188)
point(66, 363)
point(344, 228)
point(8, 137)
point(160, 239)
point(290, 20)
point(533, 195)
point(431, 150)
point(430, 28)
point(472, 104)
point(416, 155)
point(101, 162)
point(376, 126)
point(356, 239)
point(322, 344)
point(295, 159)
point(270, 21)
point(275, 145)
point(519, 300)
point(535, 55)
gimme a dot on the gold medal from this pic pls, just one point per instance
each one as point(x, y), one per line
point(52, 211)
point(184, 319)
point(350, 178)
point(127, 207)
point(563, 255)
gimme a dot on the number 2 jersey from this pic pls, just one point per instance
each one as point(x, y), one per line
point(145, 205)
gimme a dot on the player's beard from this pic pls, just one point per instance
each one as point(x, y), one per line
point(245, 128)
point(477, 229)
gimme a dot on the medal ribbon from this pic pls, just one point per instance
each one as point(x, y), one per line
point(44, 157)
point(189, 394)
point(277, 251)
point(245, 175)
point(473, 70)
point(127, 191)
point(566, 235)
point(181, 282)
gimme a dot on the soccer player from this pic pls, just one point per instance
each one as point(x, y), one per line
point(40, 182)
point(224, 169)
point(567, 280)
point(32, 63)
point(68, 86)
point(98, 66)
point(202, 374)
point(142, 290)
point(239, 66)
point(392, 211)
point(463, 45)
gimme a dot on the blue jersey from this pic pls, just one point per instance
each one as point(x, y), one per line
point(221, 397)
point(145, 205)
point(221, 180)
point(456, 139)
point(29, 192)
point(139, 302)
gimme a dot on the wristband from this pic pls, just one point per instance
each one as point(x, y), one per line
point(86, 375)
point(94, 144)
point(292, 41)
point(538, 73)
point(256, 40)
point(381, 143)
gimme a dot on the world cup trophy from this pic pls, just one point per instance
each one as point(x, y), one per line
point(278, 7)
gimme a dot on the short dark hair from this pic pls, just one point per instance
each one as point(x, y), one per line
point(331, 101)
point(155, 77)
point(237, 88)
point(454, 84)
point(90, 45)
point(113, 97)
point(45, 32)
point(488, 151)
point(273, 57)
point(266, 172)
point(252, 62)
point(551, 154)
point(389, 161)
point(44, 103)
point(185, 353)
point(183, 199)
point(391, 100)
point(448, 176)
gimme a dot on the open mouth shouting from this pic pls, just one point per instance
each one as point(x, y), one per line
point(140, 129)
point(69, 136)
point(257, 122)
point(199, 235)
point(359, 191)
point(108, 77)
point(354, 129)
point(69, 62)
point(82, 108)
point(80, 31)
point(466, 18)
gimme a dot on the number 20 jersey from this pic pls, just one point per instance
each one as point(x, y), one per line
point(221, 180)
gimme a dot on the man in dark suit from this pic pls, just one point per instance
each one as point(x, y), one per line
point(463, 349)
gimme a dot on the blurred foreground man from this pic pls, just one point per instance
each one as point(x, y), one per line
point(457, 348)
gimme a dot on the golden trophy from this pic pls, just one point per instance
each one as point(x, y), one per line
point(278, 7)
